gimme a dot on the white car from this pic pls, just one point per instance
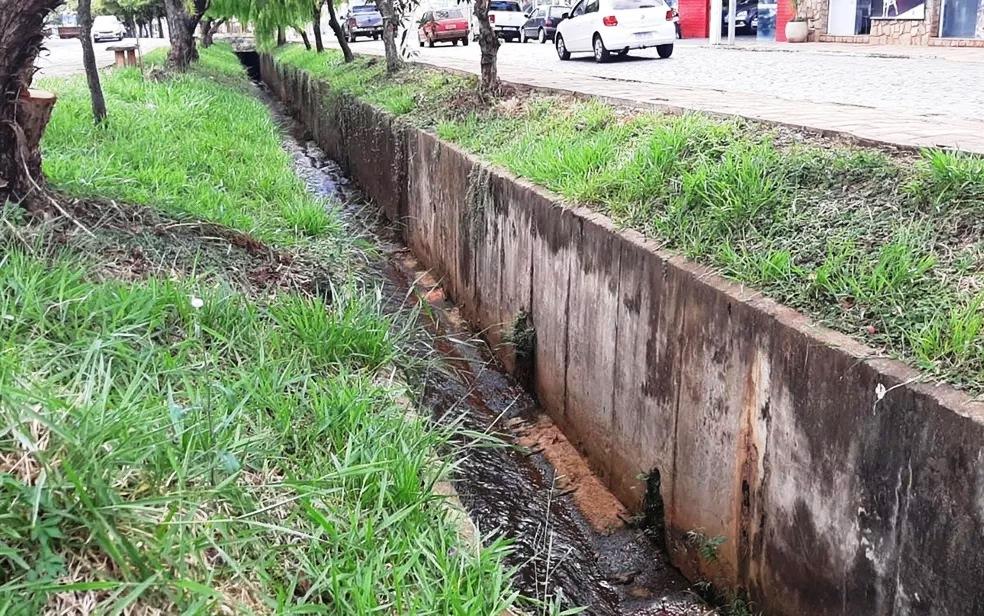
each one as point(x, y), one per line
point(606, 27)
point(506, 17)
point(107, 28)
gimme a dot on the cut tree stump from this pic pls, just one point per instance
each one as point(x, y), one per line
point(33, 113)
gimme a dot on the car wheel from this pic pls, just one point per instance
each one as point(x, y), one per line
point(562, 52)
point(421, 43)
point(464, 41)
point(430, 41)
point(664, 51)
point(375, 37)
point(541, 36)
point(522, 36)
point(601, 53)
point(454, 43)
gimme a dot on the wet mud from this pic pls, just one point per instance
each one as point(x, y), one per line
point(573, 543)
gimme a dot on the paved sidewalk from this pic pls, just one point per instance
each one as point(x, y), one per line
point(897, 96)
point(63, 57)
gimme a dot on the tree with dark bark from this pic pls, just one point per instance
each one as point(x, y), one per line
point(319, 44)
point(182, 20)
point(301, 32)
point(23, 113)
point(89, 62)
point(391, 23)
point(489, 85)
point(209, 27)
point(336, 28)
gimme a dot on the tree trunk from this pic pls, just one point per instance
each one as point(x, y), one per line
point(336, 28)
point(281, 36)
point(318, 43)
point(390, 25)
point(488, 42)
point(181, 25)
point(209, 28)
point(160, 26)
point(89, 62)
point(304, 38)
point(22, 115)
point(131, 25)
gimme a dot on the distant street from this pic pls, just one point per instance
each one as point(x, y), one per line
point(64, 56)
point(919, 97)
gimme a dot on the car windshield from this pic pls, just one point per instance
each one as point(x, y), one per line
point(622, 5)
point(559, 10)
point(365, 9)
point(104, 21)
point(504, 6)
point(447, 14)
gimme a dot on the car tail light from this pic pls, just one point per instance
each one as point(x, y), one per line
point(609, 21)
point(547, 22)
point(491, 19)
point(669, 15)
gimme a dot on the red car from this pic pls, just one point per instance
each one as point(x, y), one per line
point(443, 25)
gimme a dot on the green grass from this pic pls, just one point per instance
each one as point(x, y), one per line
point(176, 444)
point(885, 247)
point(196, 144)
point(425, 94)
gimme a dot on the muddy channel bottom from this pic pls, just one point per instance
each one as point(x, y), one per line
point(573, 542)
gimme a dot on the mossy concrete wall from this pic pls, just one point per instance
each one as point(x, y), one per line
point(766, 429)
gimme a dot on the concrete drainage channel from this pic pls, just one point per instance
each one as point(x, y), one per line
point(821, 478)
point(573, 542)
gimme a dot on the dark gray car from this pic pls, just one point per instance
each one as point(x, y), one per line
point(541, 23)
point(362, 20)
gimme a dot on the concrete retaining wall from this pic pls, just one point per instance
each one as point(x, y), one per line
point(766, 430)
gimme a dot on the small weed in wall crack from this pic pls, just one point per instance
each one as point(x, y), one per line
point(522, 337)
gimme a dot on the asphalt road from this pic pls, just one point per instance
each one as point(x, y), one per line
point(64, 56)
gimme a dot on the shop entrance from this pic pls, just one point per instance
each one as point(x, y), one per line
point(849, 17)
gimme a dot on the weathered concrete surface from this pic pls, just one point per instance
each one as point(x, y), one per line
point(766, 429)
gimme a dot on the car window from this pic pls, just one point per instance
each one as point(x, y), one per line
point(447, 14)
point(367, 8)
point(578, 9)
point(591, 6)
point(540, 13)
point(557, 11)
point(504, 6)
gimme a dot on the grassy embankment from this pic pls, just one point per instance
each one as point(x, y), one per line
point(885, 246)
point(187, 425)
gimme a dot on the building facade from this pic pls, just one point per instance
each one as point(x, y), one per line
point(952, 23)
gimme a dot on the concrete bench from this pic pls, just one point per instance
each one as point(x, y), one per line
point(126, 55)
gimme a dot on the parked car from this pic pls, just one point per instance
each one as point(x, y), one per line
point(746, 17)
point(443, 25)
point(507, 18)
point(541, 24)
point(107, 28)
point(362, 20)
point(606, 27)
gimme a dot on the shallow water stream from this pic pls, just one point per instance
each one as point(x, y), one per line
point(573, 544)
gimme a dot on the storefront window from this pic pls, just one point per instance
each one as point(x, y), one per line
point(962, 19)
